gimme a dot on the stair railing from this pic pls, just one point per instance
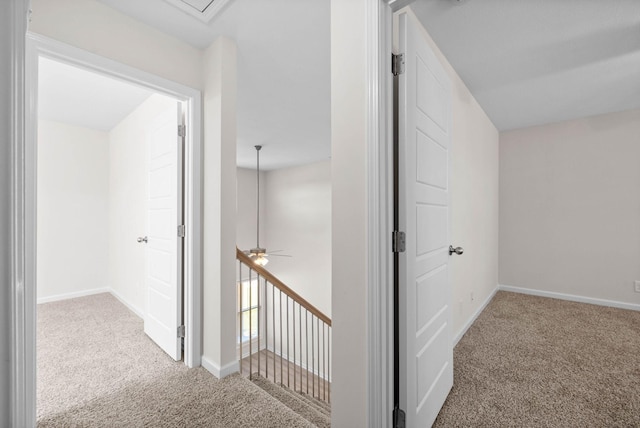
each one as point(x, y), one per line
point(280, 334)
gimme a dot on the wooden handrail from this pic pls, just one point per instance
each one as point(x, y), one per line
point(281, 286)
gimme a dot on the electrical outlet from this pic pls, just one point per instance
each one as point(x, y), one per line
point(637, 286)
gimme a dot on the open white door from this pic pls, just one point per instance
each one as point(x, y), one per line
point(163, 316)
point(424, 135)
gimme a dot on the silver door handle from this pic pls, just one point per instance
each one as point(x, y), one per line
point(142, 239)
point(457, 250)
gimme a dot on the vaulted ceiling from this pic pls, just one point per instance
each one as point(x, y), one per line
point(530, 62)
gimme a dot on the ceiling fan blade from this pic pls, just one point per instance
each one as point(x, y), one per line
point(278, 255)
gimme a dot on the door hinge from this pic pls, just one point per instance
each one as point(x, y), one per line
point(181, 331)
point(397, 64)
point(399, 418)
point(398, 241)
point(181, 230)
point(182, 131)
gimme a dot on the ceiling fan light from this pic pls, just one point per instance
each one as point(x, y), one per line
point(261, 260)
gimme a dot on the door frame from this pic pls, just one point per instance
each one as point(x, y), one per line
point(380, 315)
point(380, 179)
point(39, 46)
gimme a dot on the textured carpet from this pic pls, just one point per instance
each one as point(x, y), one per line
point(536, 362)
point(312, 411)
point(97, 368)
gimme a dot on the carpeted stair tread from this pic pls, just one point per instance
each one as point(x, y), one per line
point(312, 402)
point(323, 406)
point(301, 405)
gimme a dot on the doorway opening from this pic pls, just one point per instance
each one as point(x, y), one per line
point(106, 220)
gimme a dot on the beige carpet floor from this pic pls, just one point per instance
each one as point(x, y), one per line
point(97, 368)
point(536, 362)
point(526, 362)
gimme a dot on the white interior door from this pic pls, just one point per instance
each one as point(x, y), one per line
point(426, 351)
point(164, 247)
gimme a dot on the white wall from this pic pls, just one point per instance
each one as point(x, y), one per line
point(349, 213)
point(128, 201)
point(92, 205)
point(219, 297)
point(97, 28)
point(570, 207)
point(298, 222)
point(73, 176)
point(246, 208)
point(474, 199)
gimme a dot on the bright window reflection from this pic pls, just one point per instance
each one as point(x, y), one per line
point(249, 309)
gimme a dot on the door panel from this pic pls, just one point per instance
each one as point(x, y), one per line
point(426, 353)
point(164, 247)
point(428, 150)
point(429, 232)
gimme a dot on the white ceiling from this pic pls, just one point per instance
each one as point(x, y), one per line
point(526, 62)
point(283, 71)
point(78, 97)
point(533, 62)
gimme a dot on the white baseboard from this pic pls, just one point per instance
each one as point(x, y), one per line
point(131, 307)
point(84, 293)
point(570, 297)
point(473, 318)
point(218, 371)
point(73, 295)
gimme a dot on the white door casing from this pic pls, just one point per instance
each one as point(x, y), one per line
point(426, 349)
point(163, 313)
point(23, 331)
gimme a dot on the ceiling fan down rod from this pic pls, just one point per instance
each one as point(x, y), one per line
point(258, 197)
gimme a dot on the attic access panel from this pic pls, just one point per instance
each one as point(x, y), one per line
point(204, 10)
point(199, 5)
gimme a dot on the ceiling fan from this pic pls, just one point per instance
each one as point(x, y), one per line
point(259, 254)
